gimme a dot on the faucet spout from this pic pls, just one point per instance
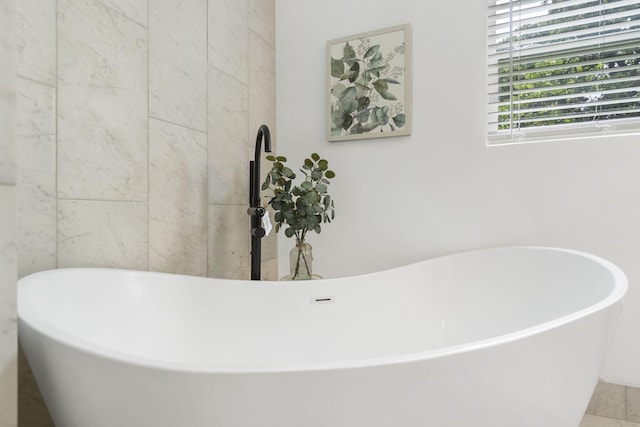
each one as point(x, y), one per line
point(254, 186)
point(255, 211)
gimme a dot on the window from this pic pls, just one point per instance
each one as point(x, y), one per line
point(563, 69)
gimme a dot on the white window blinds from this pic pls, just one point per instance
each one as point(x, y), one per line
point(563, 68)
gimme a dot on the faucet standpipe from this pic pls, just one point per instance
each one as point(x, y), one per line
point(255, 211)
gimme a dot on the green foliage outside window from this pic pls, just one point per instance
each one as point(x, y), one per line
point(558, 88)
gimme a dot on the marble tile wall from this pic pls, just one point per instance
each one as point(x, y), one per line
point(8, 324)
point(136, 122)
point(177, 199)
point(241, 86)
point(178, 62)
point(8, 257)
point(102, 106)
point(36, 151)
point(116, 99)
point(178, 136)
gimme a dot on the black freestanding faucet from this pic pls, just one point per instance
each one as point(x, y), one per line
point(255, 211)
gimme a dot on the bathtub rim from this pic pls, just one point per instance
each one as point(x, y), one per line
point(35, 322)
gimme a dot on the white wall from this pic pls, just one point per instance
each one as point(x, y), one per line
point(442, 190)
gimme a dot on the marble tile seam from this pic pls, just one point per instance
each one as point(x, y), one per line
point(178, 124)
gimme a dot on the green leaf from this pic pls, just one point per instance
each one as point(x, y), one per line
point(316, 174)
point(363, 116)
point(288, 173)
point(311, 198)
point(349, 105)
point(265, 185)
point(381, 86)
point(281, 158)
point(327, 201)
point(349, 93)
point(337, 117)
point(289, 232)
point(315, 156)
point(372, 50)
point(363, 102)
point(378, 69)
point(271, 158)
point(348, 52)
point(337, 89)
point(321, 188)
point(323, 165)
point(275, 175)
point(381, 116)
point(337, 68)
point(356, 129)
point(376, 64)
point(399, 120)
point(392, 81)
point(364, 79)
point(307, 186)
point(355, 70)
point(348, 121)
point(348, 75)
point(388, 95)
point(308, 163)
point(368, 127)
point(317, 228)
point(290, 215)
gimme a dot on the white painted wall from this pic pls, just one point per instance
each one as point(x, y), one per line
point(442, 190)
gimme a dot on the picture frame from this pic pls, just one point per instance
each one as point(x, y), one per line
point(369, 85)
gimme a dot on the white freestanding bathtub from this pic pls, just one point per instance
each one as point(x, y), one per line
point(511, 337)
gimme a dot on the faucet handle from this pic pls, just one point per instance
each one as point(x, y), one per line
point(257, 211)
point(258, 232)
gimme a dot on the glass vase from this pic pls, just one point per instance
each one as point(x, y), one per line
point(301, 261)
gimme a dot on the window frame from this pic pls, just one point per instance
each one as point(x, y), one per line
point(532, 133)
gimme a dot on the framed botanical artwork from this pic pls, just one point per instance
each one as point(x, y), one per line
point(369, 85)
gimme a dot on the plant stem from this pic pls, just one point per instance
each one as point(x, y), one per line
point(306, 263)
point(295, 274)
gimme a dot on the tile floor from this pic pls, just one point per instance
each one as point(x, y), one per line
point(613, 405)
point(596, 421)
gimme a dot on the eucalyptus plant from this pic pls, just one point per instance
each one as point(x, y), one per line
point(300, 208)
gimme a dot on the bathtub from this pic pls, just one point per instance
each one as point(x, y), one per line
point(496, 338)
